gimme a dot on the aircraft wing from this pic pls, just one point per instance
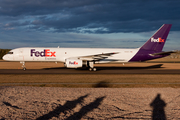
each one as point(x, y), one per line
point(97, 56)
point(163, 53)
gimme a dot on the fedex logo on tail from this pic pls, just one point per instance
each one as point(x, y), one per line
point(157, 40)
point(44, 53)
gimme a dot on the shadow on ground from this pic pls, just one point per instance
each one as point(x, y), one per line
point(9, 104)
point(54, 68)
point(70, 105)
point(158, 108)
point(112, 68)
point(158, 112)
point(102, 84)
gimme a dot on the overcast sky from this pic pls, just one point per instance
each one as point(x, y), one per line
point(86, 23)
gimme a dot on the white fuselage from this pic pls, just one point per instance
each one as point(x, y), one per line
point(61, 54)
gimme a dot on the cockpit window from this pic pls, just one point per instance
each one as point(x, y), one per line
point(10, 53)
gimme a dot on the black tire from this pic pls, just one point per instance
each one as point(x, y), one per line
point(24, 68)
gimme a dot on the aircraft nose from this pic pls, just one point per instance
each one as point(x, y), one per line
point(5, 57)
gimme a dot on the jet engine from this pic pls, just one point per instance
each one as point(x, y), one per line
point(73, 63)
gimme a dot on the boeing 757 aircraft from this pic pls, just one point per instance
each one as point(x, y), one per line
point(79, 57)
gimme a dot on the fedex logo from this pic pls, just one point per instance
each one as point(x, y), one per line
point(157, 40)
point(73, 63)
point(44, 53)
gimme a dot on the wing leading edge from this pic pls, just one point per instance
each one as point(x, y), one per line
point(96, 57)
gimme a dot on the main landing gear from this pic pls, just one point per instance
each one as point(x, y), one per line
point(92, 69)
point(23, 65)
point(91, 66)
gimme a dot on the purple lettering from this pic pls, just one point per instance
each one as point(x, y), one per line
point(44, 53)
point(32, 51)
point(37, 54)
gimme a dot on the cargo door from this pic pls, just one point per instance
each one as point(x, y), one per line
point(21, 56)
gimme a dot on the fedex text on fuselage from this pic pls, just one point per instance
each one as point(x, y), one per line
point(44, 53)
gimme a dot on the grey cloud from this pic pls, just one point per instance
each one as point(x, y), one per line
point(39, 7)
point(91, 16)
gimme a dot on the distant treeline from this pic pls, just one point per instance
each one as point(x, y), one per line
point(3, 52)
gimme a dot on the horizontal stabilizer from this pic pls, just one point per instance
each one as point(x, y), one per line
point(163, 53)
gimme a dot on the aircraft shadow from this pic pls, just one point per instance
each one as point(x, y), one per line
point(129, 68)
point(112, 68)
point(54, 68)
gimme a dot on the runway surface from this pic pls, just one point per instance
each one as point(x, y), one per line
point(95, 84)
point(100, 70)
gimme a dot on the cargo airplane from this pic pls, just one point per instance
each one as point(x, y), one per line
point(79, 57)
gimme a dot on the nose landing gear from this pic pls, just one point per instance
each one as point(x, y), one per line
point(23, 65)
point(24, 68)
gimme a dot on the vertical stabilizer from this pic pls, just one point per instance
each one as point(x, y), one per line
point(157, 41)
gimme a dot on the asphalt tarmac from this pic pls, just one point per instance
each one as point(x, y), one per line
point(155, 69)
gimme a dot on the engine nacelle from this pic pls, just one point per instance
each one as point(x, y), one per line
point(73, 63)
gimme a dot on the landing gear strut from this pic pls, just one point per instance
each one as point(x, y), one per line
point(23, 65)
point(91, 66)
